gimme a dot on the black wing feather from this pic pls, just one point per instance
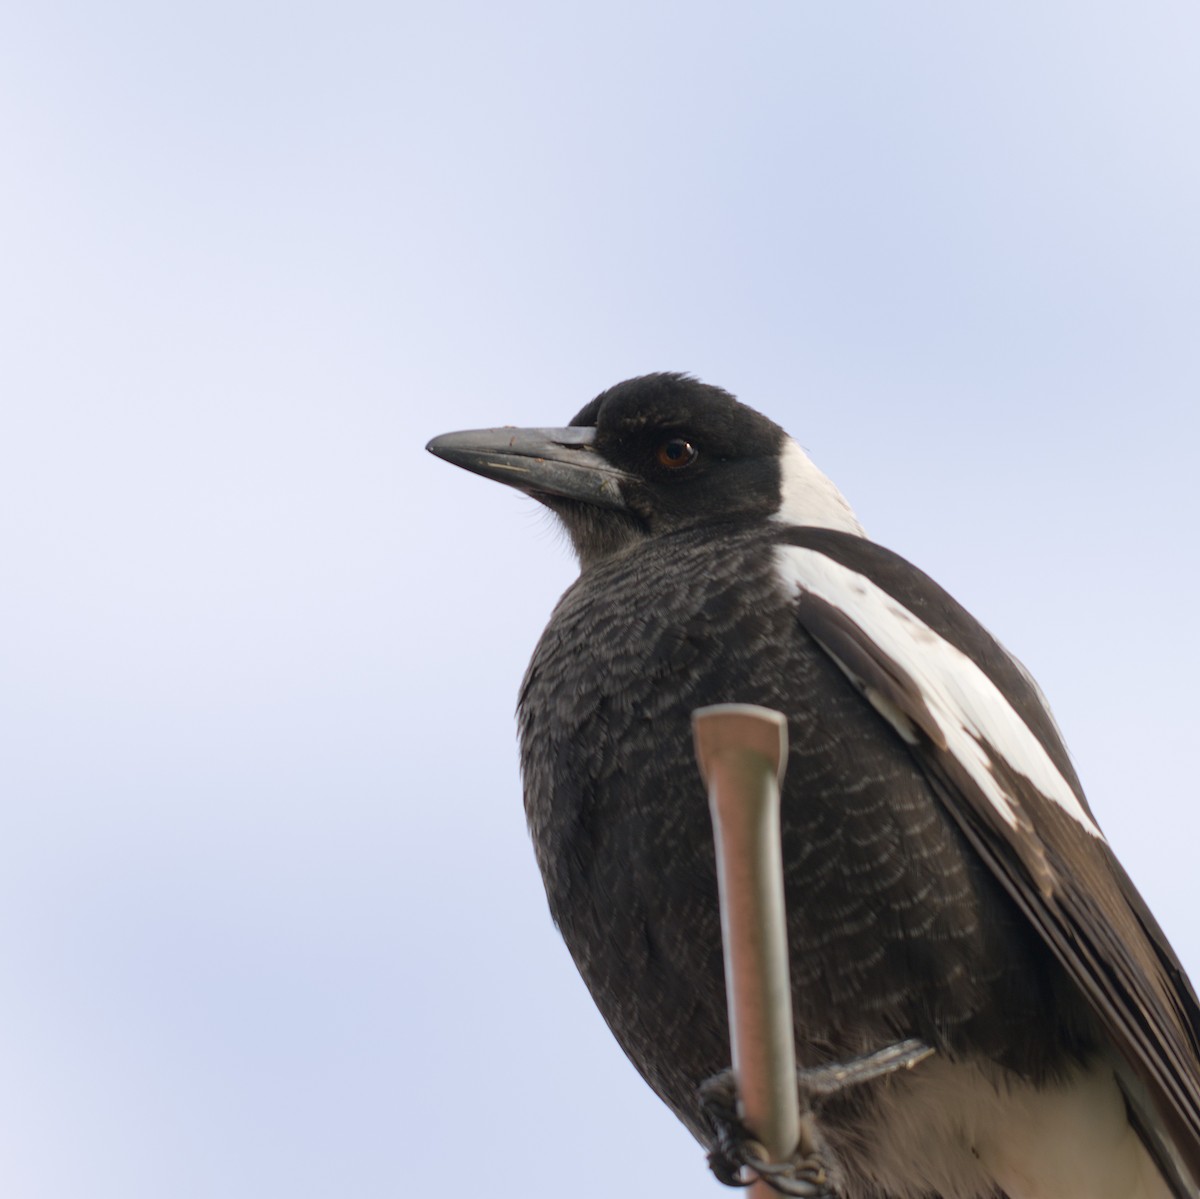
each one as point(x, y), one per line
point(1066, 881)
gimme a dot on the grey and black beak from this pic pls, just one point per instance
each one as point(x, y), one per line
point(541, 462)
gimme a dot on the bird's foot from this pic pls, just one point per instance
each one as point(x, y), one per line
point(817, 1081)
point(737, 1159)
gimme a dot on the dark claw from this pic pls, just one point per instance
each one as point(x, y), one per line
point(718, 1102)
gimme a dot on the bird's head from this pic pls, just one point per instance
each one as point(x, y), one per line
point(652, 456)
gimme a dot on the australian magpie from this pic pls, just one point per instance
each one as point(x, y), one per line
point(946, 879)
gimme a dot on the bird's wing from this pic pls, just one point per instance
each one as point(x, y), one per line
point(985, 737)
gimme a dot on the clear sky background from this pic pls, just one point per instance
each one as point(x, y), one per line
point(269, 921)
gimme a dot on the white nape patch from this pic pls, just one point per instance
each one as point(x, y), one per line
point(966, 706)
point(962, 1129)
point(808, 496)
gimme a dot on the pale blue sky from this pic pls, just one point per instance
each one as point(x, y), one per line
point(269, 921)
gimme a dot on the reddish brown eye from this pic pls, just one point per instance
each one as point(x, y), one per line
point(676, 453)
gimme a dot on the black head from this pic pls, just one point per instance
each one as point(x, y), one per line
point(648, 457)
point(690, 454)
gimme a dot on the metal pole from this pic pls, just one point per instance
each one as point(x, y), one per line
point(742, 753)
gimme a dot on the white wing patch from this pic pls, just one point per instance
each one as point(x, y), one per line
point(974, 720)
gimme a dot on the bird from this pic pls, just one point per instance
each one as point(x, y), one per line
point(947, 883)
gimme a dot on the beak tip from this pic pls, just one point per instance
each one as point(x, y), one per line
point(455, 448)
